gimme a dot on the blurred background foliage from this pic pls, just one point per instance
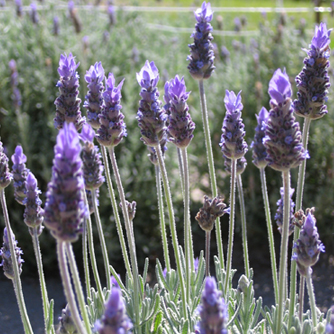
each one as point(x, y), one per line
point(246, 58)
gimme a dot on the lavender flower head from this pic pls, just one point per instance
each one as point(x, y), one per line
point(94, 99)
point(313, 81)
point(55, 27)
point(91, 158)
point(280, 210)
point(33, 13)
point(33, 213)
point(114, 320)
point(112, 128)
point(211, 210)
point(64, 207)
point(201, 51)
point(151, 117)
point(212, 310)
point(308, 247)
point(20, 173)
point(7, 262)
point(259, 150)
point(232, 141)
point(68, 103)
point(66, 323)
point(330, 324)
point(180, 128)
point(14, 81)
point(282, 139)
point(5, 175)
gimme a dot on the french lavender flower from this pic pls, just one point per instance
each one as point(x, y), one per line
point(68, 103)
point(20, 173)
point(7, 263)
point(180, 128)
point(55, 27)
point(313, 81)
point(201, 51)
point(64, 207)
point(308, 246)
point(283, 137)
point(151, 117)
point(94, 99)
point(241, 165)
point(259, 151)
point(212, 310)
point(279, 212)
point(14, 76)
point(33, 13)
point(112, 128)
point(211, 210)
point(232, 141)
point(18, 6)
point(33, 213)
point(66, 323)
point(330, 325)
point(91, 158)
point(111, 15)
point(114, 320)
point(5, 176)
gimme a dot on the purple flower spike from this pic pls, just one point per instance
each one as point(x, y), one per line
point(66, 323)
point(330, 324)
point(7, 262)
point(232, 141)
point(148, 76)
point(20, 173)
point(33, 13)
point(91, 158)
point(202, 51)
point(112, 127)
point(308, 247)
point(279, 87)
point(259, 150)
point(280, 209)
point(114, 319)
point(204, 14)
point(313, 81)
point(283, 139)
point(64, 207)
point(212, 310)
point(5, 176)
point(151, 117)
point(181, 127)
point(321, 37)
point(33, 213)
point(68, 103)
point(94, 99)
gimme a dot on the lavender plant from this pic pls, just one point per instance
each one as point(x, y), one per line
point(185, 299)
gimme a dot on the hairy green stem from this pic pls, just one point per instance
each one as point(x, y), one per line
point(243, 225)
point(311, 297)
point(212, 174)
point(16, 280)
point(85, 259)
point(130, 237)
point(284, 250)
point(187, 227)
point(102, 240)
point(66, 280)
point(231, 225)
point(44, 292)
point(92, 254)
point(207, 252)
point(301, 297)
point(162, 218)
point(299, 199)
point(77, 285)
point(172, 228)
point(116, 215)
point(270, 232)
